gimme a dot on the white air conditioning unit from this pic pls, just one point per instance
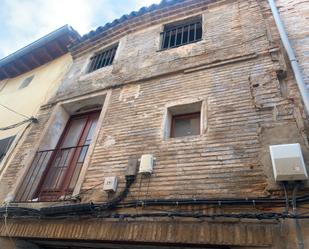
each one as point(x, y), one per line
point(146, 164)
point(288, 163)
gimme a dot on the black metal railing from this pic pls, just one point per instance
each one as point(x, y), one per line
point(181, 35)
point(52, 174)
point(103, 59)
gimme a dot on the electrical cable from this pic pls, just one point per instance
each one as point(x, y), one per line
point(93, 209)
point(171, 214)
point(287, 206)
point(32, 119)
point(299, 235)
point(103, 210)
point(259, 216)
point(84, 191)
point(176, 202)
point(10, 109)
point(6, 225)
point(114, 203)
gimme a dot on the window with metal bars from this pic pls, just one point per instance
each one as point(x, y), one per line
point(103, 59)
point(54, 173)
point(181, 33)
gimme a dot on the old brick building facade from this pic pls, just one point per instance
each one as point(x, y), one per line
point(232, 88)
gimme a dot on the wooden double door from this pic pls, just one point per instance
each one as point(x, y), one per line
point(65, 163)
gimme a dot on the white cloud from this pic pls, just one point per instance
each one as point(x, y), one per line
point(28, 20)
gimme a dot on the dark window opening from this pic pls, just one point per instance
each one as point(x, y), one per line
point(186, 125)
point(181, 33)
point(103, 59)
point(5, 145)
point(26, 82)
point(54, 173)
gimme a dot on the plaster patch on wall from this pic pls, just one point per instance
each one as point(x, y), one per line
point(129, 93)
point(260, 87)
point(109, 141)
point(4, 189)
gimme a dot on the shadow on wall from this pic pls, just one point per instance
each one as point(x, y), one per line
point(4, 190)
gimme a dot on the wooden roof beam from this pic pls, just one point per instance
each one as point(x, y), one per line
point(5, 72)
point(15, 69)
point(24, 65)
point(49, 56)
point(62, 47)
point(35, 60)
point(58, 47)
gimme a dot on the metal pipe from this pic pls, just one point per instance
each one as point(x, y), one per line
point(294, 63)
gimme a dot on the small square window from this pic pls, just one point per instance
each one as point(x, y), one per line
point(183, 32)
point(186, 125)
point(188, 119)
point(26, 82)
point(103, 59)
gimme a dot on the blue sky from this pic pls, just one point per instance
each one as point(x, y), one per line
point(23, 21)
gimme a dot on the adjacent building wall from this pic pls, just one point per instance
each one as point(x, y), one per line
point(27, 101)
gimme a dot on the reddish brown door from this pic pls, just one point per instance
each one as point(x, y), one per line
point(66, 162)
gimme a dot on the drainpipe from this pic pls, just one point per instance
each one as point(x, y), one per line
point(294, 63)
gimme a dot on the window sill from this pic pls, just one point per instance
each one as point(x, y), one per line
point(166, 49)
point(107, 69)
point(184, 138)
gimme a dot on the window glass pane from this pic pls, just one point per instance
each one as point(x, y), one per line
point(191, 38)
point(73, 135)
point(195, 125)
point(199, 31)
point(178, 38)
point(186, 125)
point(166, 40)
point(185, 34)
point(173, 33)
point(91, 130)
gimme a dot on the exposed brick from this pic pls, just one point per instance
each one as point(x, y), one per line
point(234, 67)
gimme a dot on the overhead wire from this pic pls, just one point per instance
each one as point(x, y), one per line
point(108, 209)
point(6, 225)
point(28, 119)
point(10, 109)
point(31, 119)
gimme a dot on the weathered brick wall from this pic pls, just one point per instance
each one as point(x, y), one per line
point(233, 68)
point(228, 32)
point(224, 162)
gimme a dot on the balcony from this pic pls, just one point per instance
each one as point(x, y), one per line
point(52, 175)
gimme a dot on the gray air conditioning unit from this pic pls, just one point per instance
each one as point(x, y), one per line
point(288, 162)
